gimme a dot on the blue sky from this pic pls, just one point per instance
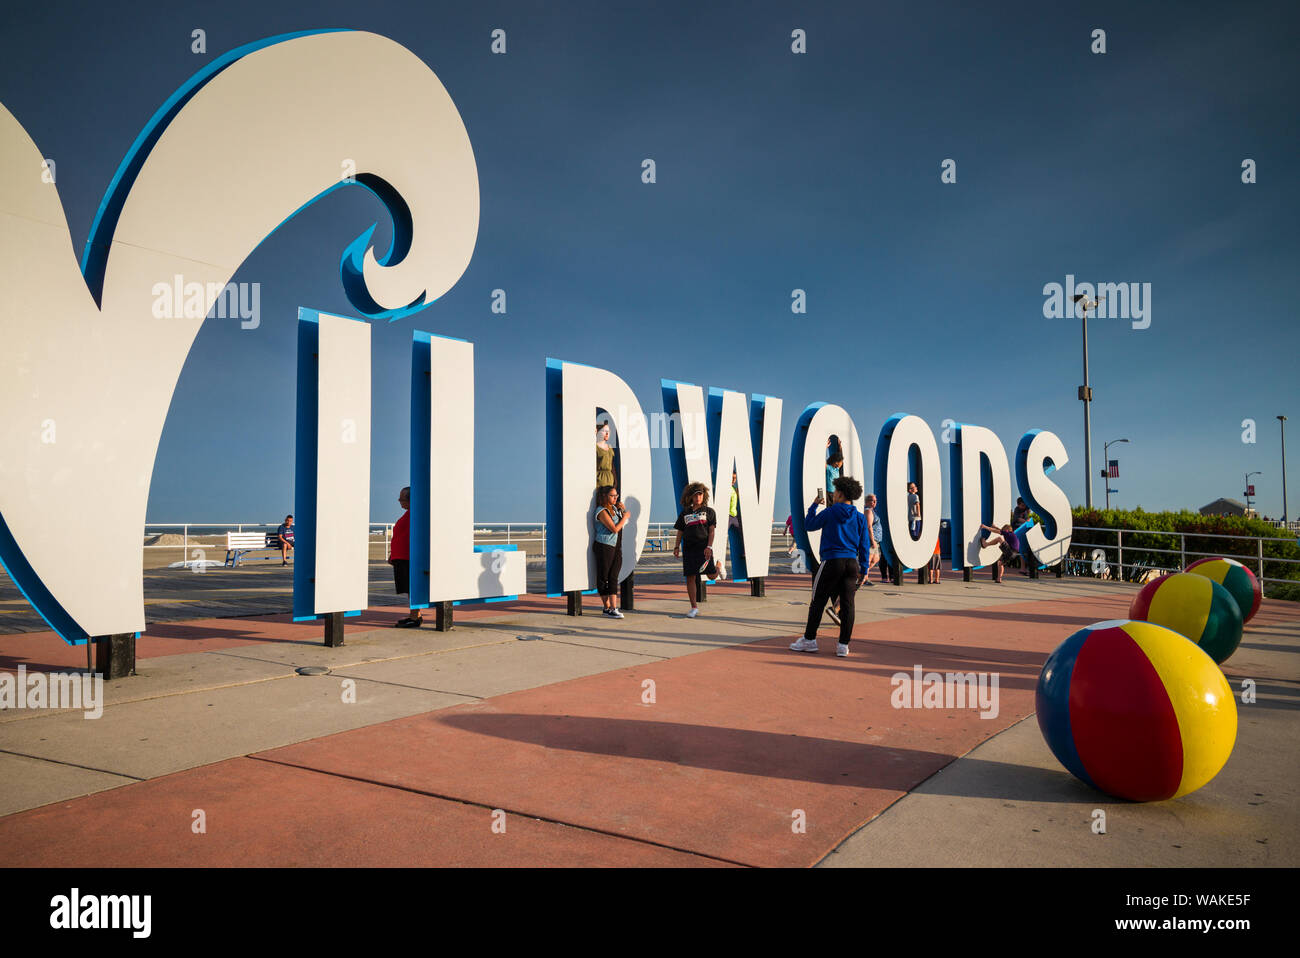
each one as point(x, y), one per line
point(775, 171)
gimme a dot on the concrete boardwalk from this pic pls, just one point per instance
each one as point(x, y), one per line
point(526, 737)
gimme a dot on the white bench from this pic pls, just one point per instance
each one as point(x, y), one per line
point(239, 544)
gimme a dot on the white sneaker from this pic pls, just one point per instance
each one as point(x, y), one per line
point(617, 613)
point(722, 572)
point(842, 649)
point(804, 645)
point(693, 613)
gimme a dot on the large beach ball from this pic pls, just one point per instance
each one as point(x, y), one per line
point(1136, 710)
point(1195, 606)
point(1234, 577)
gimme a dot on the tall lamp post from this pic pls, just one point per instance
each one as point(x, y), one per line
point(1105, 472)
point(1085, 394)
point(1282, 419)
point(1248, 475)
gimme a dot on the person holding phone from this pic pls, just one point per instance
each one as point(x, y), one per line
point(844, 553)
point(608, 547)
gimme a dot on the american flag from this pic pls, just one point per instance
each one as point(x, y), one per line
point(1113, 471)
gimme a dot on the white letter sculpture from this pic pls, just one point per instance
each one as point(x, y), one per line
point(815, 427)
point(446, 566)
point(574, 394)
point(88, 351)
point(979, 492)
point(709, 455)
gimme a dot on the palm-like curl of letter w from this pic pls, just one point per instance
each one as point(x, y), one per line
point(80, 344)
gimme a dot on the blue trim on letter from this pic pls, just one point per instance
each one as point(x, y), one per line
point(421, 463)
point(798, 503)
point(554, 476)
point(305, 461)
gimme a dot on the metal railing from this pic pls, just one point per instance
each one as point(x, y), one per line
point(485, 533)
point(1178, 558)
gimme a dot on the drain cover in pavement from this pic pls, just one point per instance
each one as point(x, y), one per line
point(528, 638)
point(312, 670)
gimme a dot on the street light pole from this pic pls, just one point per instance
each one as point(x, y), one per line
point(1282, 419)
point(1248, 475)
point(1105, 472)
point(1085, 393)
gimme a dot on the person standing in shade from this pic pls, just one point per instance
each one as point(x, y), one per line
point(608, 547)
point(285, 534)
point(873, 526)
point(1009, 543)
point(604, 457)
point(696, 526)
point(844, 551)
point(913, 510)
point(399, 557)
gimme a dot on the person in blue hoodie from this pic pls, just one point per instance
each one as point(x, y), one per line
point(846, 542)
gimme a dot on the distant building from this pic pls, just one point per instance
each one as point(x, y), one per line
point(1224, 507)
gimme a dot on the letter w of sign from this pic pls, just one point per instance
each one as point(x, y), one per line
point(83, 345)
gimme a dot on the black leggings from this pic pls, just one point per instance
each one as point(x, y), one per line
point(609, 560)
point(835, 577)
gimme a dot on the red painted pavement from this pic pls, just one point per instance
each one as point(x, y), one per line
point(257, 813)
point(740, 744)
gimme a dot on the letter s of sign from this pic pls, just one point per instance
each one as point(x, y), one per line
point(81, 344)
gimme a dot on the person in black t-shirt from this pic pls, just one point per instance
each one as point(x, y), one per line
point(696, 526)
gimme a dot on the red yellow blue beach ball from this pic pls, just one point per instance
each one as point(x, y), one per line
point(1136, 710)
point(1195, 606)
point(1234, 577)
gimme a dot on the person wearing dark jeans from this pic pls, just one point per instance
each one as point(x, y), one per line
point(608, 548)
point(844, 549)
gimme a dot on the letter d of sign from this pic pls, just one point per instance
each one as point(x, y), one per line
point(574, 394)
point(979, 492)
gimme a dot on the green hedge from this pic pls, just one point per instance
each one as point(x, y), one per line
point(1158, 526)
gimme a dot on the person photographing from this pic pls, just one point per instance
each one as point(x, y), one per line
point(845, 545)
